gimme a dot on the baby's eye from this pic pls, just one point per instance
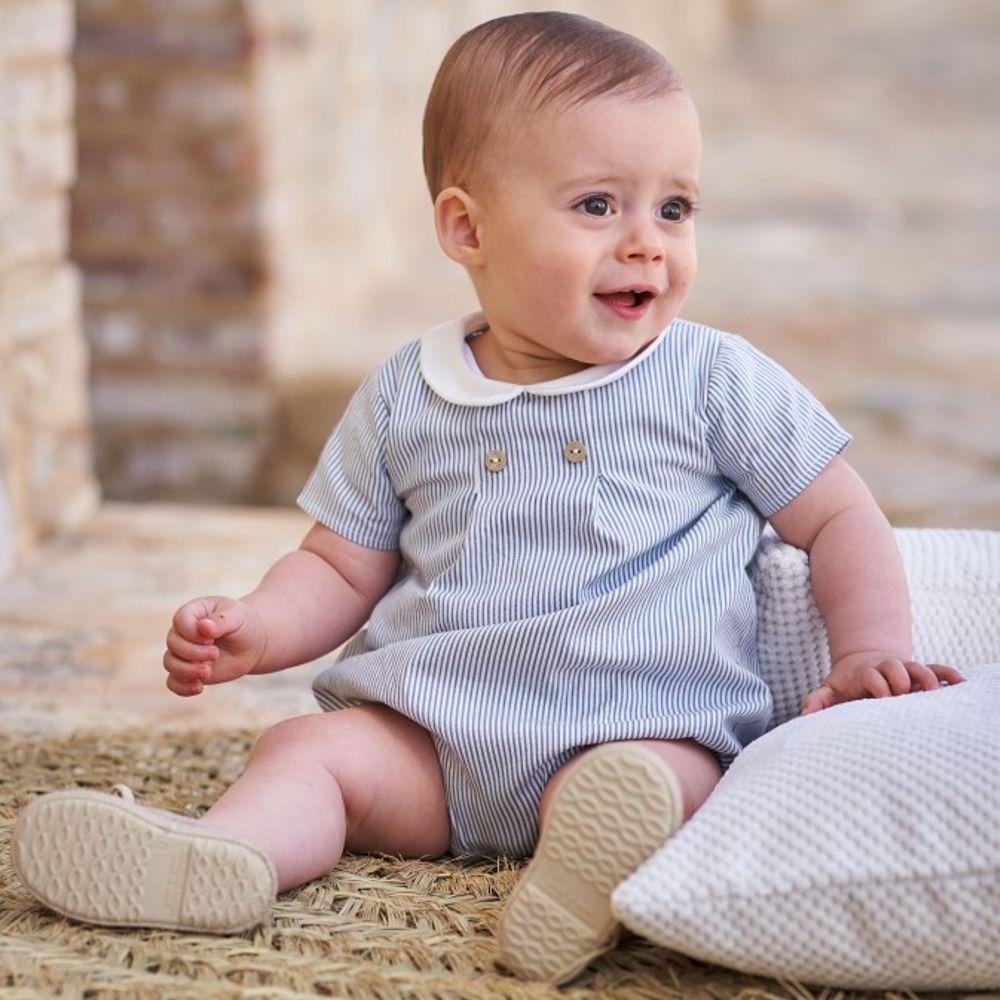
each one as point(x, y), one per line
point(676, 210)
point(595, 204)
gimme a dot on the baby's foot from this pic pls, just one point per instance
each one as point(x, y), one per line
point(106, 860)
point(609, 814)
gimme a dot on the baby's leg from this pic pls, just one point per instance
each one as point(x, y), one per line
point(601, 816)
point(695, 768)
point(363, 778)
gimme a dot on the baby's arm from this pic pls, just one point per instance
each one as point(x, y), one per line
point(309, 602)
point(860, 588)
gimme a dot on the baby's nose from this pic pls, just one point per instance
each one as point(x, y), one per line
point(642, 242)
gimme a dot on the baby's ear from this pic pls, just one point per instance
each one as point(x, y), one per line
point(456, 219)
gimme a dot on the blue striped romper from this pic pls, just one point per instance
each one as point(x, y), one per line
point(574, 556)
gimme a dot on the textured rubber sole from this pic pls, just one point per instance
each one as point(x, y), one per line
point(103, 860)
point(609, 814)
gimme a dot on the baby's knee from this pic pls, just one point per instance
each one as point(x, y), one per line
point(302, 733)
point(334, 740)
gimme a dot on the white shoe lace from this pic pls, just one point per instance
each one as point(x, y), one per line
point(123, 792)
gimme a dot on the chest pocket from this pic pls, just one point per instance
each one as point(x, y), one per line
point(528, 541)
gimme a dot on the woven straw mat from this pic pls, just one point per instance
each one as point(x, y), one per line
point(377, 927)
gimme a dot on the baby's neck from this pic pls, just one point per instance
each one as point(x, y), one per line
point(506, 364)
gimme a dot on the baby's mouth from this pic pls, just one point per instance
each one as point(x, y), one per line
point(628, 298)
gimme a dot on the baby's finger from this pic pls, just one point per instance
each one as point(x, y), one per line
point(185, 689)
point(186, 618)
point(186, 671)
point(922, 678)
point(184, 649)
point(897, 675)
point(944, 673)
point(875, 683)
point(818, 699)
point(220, 623)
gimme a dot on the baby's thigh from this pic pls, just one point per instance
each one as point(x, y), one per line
point(388, 773)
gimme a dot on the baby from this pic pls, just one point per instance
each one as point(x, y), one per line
point(544, 513)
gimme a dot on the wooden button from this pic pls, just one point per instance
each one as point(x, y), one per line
point(575, 451)
point(496, 460)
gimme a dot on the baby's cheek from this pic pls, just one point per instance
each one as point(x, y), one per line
point(682, 274)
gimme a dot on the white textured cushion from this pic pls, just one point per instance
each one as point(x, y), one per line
point(858, 847)
point(954, 579)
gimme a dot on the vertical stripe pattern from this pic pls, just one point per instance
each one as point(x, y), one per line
point(551, 604)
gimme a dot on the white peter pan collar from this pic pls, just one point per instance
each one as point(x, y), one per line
point(445, 365)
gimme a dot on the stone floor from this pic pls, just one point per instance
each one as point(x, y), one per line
point(82, 626)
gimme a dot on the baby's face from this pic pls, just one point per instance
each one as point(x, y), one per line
point(586, 231)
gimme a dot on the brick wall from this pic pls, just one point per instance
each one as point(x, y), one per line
point(46, 483)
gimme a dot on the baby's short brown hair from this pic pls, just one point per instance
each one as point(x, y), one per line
point(522, 63)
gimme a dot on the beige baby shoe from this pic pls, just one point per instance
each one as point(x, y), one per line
point(104, 859)
point(608, 815)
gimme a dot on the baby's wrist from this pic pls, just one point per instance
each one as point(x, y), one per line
point(254, 624)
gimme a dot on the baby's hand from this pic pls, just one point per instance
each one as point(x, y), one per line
point(213, 639)
point(873, 675)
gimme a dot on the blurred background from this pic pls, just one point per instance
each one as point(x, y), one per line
point(213, 221)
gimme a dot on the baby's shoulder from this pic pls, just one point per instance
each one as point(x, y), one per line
point(391, 376)
point(403, 359)
point(688, 351)
point(698, 341)
point(705, 350)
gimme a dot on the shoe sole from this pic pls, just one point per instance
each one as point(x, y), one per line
point(609, 814)
point(103, 860)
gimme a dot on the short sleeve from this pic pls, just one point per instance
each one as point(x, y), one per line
point(350, 491)
point(768, 434)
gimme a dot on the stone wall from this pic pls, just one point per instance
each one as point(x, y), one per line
point(254, 232)
point(46, 483)
point(167, 231)
point(341, 91)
